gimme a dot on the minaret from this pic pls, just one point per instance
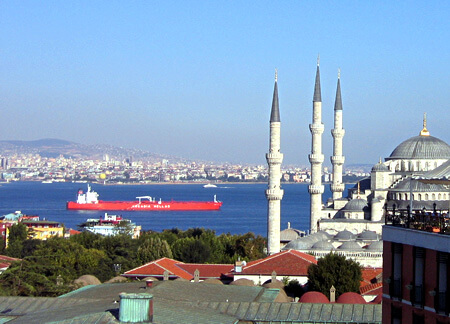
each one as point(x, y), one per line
point(316, 156)
point(337, 160)
point(274, 193)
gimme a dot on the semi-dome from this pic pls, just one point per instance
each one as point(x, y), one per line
point(421, 147)
point(417, 186)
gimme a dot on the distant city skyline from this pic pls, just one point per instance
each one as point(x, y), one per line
point(196, 79)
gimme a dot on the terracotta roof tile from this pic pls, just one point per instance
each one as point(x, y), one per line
point(157, 268)
point(289, 262)
point(369, 275)
point(206, 270)
point(372, 289)
point(179, 269)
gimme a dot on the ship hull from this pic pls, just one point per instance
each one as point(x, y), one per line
point(146, 206)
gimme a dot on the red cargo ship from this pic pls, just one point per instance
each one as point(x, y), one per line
point(89, 201)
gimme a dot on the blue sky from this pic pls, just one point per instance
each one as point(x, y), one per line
point(195, 78)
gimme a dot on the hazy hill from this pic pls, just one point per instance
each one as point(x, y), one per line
point(51, 147)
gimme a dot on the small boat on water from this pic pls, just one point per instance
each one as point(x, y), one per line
point(209, 185)
point(89, 201)
point(111, 225)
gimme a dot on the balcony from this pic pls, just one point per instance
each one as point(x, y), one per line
point(435, 222)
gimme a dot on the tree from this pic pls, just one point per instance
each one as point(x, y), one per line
point(18, 233)
point(153, 248)
point(191, 250)
point(334, 270)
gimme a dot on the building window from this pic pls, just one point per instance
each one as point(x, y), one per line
point(418, 319)
point(396, 288)
point(396, 315)
point(419, 266)
point(442, 285)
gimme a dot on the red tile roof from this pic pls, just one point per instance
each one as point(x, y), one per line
point(289, 263)
point(369, 275)
point(372, 289)
point(5, 261)
point(207, 270)
point(178, 269)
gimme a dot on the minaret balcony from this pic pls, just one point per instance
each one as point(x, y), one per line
point(274, 194)
point(274, 158)
point(316, 189)
point(316, 158)
point(316, 129)
point(337, 187)
point(337, 159)
point(338, 133)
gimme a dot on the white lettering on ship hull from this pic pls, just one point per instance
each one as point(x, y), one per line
point(139, 206)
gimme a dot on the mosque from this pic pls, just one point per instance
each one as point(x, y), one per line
point(352, 225)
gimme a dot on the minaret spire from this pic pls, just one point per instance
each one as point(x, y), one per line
point(275, 113)
point(317, 92)
point(274, 193)
point(424, 131)
point(337, 160)
point(316, 157)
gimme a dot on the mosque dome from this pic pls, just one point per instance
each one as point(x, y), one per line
point(345, 235)
point(368, 236)
point(350, 246)
point(356, 205)
point(375, 247)
point(302, 243)
point(323, 245)
point(323, 235)
point(380, 167)
point(289, 234)
point(421, 147)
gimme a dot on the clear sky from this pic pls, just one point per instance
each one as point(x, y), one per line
point(195, 78)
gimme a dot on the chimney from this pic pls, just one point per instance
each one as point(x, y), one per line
point(274, 276)
point(149, 283)
point(332, 294)
point(238, 265)
point(136, 308)
point(196, 276)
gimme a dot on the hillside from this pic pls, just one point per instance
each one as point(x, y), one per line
point(51, 147)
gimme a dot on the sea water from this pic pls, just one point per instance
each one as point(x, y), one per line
point(244, 206)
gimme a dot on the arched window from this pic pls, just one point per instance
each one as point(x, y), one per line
point(426, 196)
point(419, 197)
point(433, 196)
point(439, 197)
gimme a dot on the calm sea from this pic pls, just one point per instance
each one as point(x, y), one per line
point(244, 206)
